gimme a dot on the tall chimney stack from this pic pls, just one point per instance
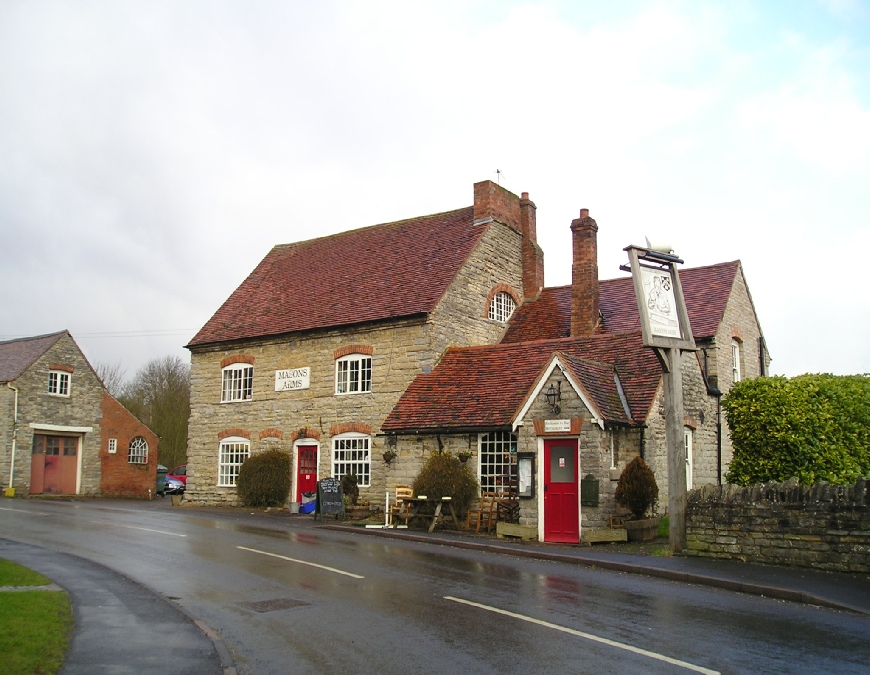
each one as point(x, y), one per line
point(584, 275)
point(533, 254)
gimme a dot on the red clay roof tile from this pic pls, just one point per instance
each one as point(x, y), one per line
point(385, 271)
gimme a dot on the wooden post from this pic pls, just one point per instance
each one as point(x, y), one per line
point(673, 389)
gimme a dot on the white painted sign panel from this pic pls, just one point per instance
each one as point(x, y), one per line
point(551, 426)
point(658, 289)
point(292, 379)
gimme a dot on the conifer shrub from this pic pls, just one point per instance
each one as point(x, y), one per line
point(637, 489)
point(444, 475)
point(350, 488)
point(264, 479)
point(811, 427)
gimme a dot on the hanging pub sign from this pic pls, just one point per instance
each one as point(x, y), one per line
point(664, 320)
point(292, 379)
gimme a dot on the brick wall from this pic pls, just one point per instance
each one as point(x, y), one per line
point(821, 526)
point(119, 478)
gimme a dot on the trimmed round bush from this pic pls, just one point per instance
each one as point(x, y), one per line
point(637, 489)
point(264, 479)
point(444, 475)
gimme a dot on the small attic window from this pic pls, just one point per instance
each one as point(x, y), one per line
point(501, 307)
point(58, 383)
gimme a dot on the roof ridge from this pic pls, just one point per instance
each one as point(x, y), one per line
point(34, 337)
point(294, 244)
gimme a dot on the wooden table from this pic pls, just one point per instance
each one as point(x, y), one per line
point(417, 508)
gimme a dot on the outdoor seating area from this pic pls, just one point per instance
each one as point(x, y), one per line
point(490, 509)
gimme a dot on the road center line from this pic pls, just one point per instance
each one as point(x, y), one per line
point(588, 636)
point(33, 513)
point(133, 527)
point(302, 562)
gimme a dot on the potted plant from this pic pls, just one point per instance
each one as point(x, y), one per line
point(464, 456)
point(637, 491)
point(389, 455)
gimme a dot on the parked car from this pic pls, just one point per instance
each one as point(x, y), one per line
point(173, 486)
point(179, 472)
point(161, 479)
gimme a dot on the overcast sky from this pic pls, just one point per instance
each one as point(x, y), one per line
point(151, 153)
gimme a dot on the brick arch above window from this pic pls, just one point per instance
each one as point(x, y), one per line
point(500, 288)
point(61, 366)
point(237, 358)
point(226, 433)
point(368, 350)
point(736, 333)
point(347, 427)
point(271, 433)
point(305, 432)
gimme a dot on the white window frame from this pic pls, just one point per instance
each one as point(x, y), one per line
point(502, 307)
point(232, 452)
point(736, 374)
point(352, 453)
point(496, 460)
point(59, 383)
point(688, 443)
point(113, 446)
point(137, 452)
point(358, 365)
point(237, 383)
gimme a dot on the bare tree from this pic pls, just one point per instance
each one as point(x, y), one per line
point(159, 395)
point(112, 376)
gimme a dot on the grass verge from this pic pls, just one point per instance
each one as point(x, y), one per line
point(35, 626)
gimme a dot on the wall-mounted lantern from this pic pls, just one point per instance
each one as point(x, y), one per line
point(554, 397)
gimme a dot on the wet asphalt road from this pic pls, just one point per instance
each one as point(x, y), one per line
point(336, 602)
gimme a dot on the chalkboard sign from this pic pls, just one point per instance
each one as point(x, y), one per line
point(330, 501)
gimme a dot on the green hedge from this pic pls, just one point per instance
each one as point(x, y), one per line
point(814, 427)
point(264, 479)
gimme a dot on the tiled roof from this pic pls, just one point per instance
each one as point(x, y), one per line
point(385, 271)
point(16, 356)
point(485, 387)
point(706, 290)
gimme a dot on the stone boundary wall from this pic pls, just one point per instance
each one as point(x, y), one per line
point(821, 526)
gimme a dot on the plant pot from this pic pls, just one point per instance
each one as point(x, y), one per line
point(388, 457)
point(642, 530)
point(464, 458)
point(294, 507)
point(176, 499)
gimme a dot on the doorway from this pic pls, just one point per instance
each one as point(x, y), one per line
point(306, 470)
point(54, 465)
point(561, 493)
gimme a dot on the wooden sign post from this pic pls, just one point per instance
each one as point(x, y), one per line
point(665, 325)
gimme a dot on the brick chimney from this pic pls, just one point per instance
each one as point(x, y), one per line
point(584, 275)
point(493, 201)
point(533, 255)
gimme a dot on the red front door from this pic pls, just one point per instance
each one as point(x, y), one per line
point(561, 496)
point(306, 474)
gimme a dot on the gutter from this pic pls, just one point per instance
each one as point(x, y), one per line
point(14, 433)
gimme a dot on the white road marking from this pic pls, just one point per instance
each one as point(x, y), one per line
point(303, 562)
point(133, 527)
point(588, 636)
point(33, 513)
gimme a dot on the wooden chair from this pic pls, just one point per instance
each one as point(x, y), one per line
point(403, 492)
point(508, 506)
point(483, 512)
point(617, 520)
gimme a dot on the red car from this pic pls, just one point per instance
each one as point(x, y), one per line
point(179, 472)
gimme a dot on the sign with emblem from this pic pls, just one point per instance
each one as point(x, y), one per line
point(292, 379)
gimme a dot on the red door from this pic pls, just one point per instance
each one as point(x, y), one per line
point(306, 474)
point(561, 496)
point(54, 465)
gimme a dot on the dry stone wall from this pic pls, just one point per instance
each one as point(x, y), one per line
point(821, 526)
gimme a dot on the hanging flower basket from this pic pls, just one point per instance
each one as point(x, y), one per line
point(389, 456)
point(464, 456)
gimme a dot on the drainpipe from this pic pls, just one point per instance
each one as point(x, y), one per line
point(14, 433)
point(718, 437)
point(642, 442)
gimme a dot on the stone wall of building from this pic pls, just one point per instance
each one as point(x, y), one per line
point(400, 350)
point(119, 478)
point(80, 409)
point(821, 526)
